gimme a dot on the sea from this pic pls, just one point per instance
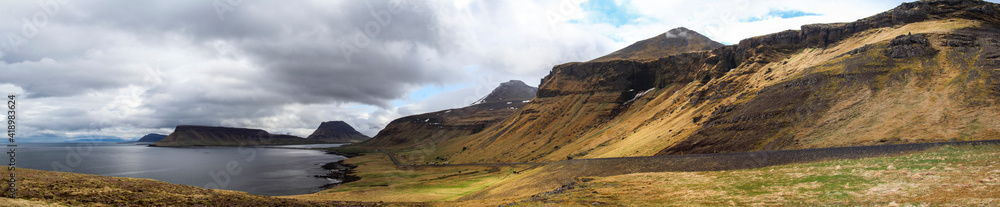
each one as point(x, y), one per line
point(270, 170)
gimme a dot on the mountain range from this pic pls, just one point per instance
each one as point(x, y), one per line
point(924, 71)
point(191, 135)
point(152, 137)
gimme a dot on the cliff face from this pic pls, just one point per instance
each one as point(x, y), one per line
point(189, 135)
point(430, 129)
point(152, 138)
point(924, 71)
point(337, 131)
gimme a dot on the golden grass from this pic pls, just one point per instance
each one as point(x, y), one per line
point(47, 188)
point(952, 175)
point(381, 181)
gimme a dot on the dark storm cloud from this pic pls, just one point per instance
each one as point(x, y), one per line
point(278, 64)
point(294, 53)
point(373, 52)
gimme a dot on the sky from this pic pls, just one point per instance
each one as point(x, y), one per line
point(116, 68)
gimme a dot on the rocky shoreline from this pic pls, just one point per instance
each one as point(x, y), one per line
point(339, 171)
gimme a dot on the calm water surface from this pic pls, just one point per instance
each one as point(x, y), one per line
point(261, 171)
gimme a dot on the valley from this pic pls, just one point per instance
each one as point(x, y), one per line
point(896, 109)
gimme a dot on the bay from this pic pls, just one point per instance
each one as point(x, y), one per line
point(261, 171)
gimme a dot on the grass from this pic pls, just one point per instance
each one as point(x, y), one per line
point(951, 175)
point(47, 188)
point(381, 181)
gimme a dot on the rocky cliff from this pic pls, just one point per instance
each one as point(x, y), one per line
point(429, 129)
point(152, 137)
point(337, 131)
point(922, 72)
point(189, 135)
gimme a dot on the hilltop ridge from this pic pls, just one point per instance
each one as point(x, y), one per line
point(193, 135)
point(430, 129)
point(337, 131)
point(924, 71)
point(675, 41)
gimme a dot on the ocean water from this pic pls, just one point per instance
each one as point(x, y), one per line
point(261, 171)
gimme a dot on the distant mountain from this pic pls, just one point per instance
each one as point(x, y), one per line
point(100, 140)
point(514, 90)
point(337, 131)
point(152, 138)
point(190, 135)
point(431, 128)
point(676, 41)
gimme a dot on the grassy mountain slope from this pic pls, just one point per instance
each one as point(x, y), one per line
point(424, 131)
point(924, 71)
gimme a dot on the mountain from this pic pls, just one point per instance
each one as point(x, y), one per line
point(190, 135)
point(924, 71)
point(676, 41)
point(514, 90)
point(100, 140)
point(337, 131)
point(152, 137)
point(429, 129)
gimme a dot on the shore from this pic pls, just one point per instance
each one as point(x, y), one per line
point(339, 171)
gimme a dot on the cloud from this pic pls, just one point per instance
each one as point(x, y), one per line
point(129, 68)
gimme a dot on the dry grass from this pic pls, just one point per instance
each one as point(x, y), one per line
point(950, 175)
point(963, 175)
point(47, 188)
point(381, 181)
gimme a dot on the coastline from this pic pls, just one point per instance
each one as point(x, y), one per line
point(339, 171)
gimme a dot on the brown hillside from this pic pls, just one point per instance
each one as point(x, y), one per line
point(427, 130)
point(924, 71)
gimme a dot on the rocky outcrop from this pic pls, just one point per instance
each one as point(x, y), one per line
point(337, 131)
point(190, 135)
point(905, 46)
point(152, 137)
point(821, 35)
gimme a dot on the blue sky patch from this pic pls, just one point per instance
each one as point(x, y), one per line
point(782, 14)
point(606, 11)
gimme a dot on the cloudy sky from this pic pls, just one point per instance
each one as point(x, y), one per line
point(126, 68)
